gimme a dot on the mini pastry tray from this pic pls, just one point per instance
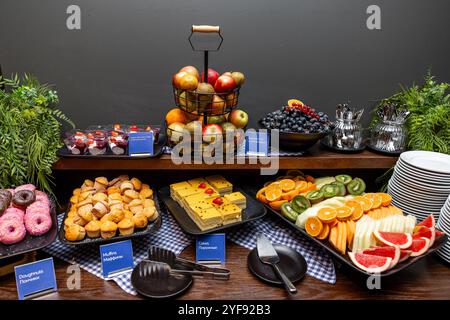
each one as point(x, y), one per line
point(158, 149)
point(346, 260)
point(151, 228)
point(255, 210)
point(32, 243)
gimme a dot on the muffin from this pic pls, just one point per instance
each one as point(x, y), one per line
point(112, 190)
point(128, 214)
point(93, 229)
point(88, 183)
point(76, 192)
point(148, 203)
point(137, 184)
point(140, 221)
point(99, 196)
point(108, 229)
point(149, 212)
point(101, 183)
point(100, 209)
point(68, 222)
point(115, 196)
point(106, 217)
point(126, 227)
point(78, 220)
point(116, 215)
point(75, 233)
point(146, 193)
point(145, 186)
point(131, 194)
point(88, 216)
point(154, 217)
point(126, 185)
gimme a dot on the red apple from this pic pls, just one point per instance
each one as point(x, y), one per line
point(177, 77)
point(212, 76)
point(212, 132)
point(188, 82)
point(239, 118)
point(217, 105)
point(191, 70)
point(224, 84)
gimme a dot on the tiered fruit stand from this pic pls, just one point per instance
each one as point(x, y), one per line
point(427, 279)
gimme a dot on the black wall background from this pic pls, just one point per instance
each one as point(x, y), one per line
point(118, 67)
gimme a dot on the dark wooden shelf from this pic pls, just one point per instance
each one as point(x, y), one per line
point(315, 158)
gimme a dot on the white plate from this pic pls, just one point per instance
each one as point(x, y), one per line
point(402, 167)
point(427, 160)
point(410, 185)
point(415, 198)
point(424, 180)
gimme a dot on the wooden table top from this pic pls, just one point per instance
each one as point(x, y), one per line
point(427, 279)
point(314, 158)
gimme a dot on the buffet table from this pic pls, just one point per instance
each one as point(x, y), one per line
point(427, 279)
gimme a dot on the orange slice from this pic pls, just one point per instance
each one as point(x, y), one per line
point(273, 192)
point(325, 231)
point(385, 199)
point(301, 186)
point(287, 185)
point(344, 213)
point(376, 199)
point(313, 226)
point(327, 214)
point(366, 203)
point(296, 101)
point(357, 209)
point(260, 192)
point(311, 186)
point(276, 205)
point(289, 195)
point(333, 223)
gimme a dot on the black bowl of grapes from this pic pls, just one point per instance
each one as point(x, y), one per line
point(300, 126)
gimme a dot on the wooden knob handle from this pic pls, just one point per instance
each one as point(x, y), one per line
point(206, 29)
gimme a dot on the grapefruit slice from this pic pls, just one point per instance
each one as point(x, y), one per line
point(402, 240)
point(419, 246)
point(391, 252)
point(370, 263)
point(404, 254)
point(428, 222)
point(438, 233)
point(424, 232)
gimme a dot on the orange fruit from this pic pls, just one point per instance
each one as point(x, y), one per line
point(291, 102)
point(385, 199)
point(260, 191)
point(289, 195)
point(176, 115)
point(376, 199)
point(325, 231)
point(311, 186)
point(313, 226)
point(276, 205)
point(357, 209)
point(273, 192)
point(344, 212)
point(327, 214)
point(301, 186)
point(287, 185)
point(366, 203)
point(333, 223)
point(263, 199)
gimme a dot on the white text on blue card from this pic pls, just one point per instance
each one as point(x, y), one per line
point(116, 258)
point(35, 279)
point(140, 143)
point(210, 248)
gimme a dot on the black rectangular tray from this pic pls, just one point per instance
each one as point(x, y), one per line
point(255, 210)
point(158, 149)
point(152, 227)
point(346, 260)
point(32, 243)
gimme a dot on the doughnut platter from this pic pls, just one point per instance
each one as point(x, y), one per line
point(27, 220)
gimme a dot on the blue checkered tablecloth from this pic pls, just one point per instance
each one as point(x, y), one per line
point(280, 153)
point(169, 236)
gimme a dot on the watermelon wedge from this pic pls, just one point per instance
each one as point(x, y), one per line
point(402, 240)
point(425, 232)
point(370, 263)
point(428, 222)
point(404, 255)
point(391, 252)
point(419, 246)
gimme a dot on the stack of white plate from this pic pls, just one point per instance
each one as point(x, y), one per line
point(443, 224)
point(420, 183)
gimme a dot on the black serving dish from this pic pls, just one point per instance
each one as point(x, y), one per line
point(389, 153)
point(299, 141)
point(151, 228)
point(32, 243)
point(346, 260)
point(324, 144)
point(255, 210)
point(158, 149)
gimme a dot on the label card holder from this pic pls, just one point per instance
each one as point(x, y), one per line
point(116, 258)
point(210, 249)
point(140, 143)
point(35, 279)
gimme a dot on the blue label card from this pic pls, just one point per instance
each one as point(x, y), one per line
point(210, 248)
point(256, 144)
point(140, 143)
point(116, 258)
point(263, 144)
point(35, 279)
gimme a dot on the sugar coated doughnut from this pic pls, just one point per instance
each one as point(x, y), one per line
point(37, 223)
point(42, 197)
point(13, 212)
point(29, 187)
point(11, 231)
point(38, 207)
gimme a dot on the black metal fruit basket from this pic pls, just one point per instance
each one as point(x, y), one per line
point(208, 104)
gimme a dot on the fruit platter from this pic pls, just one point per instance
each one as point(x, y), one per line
point(107, 141)
point(27, 220)
point(363, 230)
point(101, 211)
point(300, 125)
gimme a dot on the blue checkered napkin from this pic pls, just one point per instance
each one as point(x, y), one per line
point(169, 236)
point(320, 265)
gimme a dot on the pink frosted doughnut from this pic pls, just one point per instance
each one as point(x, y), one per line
point(30, 187)
point(11, 231)
point(38, 223)
point(42, 197)
point(11, 190)
point(38, 207)
point(13, 212)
